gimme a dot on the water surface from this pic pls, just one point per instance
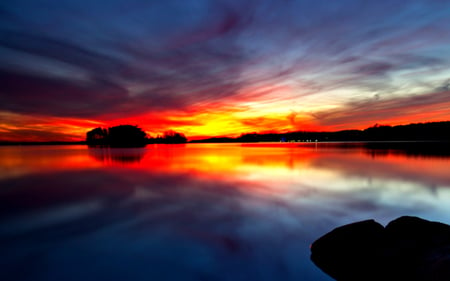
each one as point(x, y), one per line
point(199, 211)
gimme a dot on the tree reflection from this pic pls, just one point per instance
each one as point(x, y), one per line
point(117, 155)
point(414, 149)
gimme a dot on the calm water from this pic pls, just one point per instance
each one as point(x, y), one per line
point(198, 211)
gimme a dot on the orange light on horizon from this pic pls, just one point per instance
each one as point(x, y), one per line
point(201, 121)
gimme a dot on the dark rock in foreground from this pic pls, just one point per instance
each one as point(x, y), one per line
point(408, 248)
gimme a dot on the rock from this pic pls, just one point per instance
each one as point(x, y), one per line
point(409, 248)
point(415, 243)
point(343, 252)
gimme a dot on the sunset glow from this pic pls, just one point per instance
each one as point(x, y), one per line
point(220, 68)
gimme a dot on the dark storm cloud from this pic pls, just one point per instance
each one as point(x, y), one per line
point(118, 58)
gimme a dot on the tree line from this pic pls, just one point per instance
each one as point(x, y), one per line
point(133, 136)
point(432, 131)
point(130, 136)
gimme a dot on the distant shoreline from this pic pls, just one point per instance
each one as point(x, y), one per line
point(437, 132)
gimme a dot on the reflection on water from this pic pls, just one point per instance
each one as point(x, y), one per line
point(198, 211)
point(121, 155)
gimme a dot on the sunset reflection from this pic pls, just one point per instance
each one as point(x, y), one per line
point(199, 207)
point(274, 169)
point(233, 160)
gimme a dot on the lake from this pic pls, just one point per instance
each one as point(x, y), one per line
point(199, 211)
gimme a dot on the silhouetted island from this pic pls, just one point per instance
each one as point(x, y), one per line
point(408, 248)
point(129, 136)
point(118, 136)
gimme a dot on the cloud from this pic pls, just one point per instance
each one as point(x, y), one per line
point(168, 79)
point(23, 93)
point(432, 106)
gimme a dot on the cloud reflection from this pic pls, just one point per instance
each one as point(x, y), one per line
point(199, 227)
point(193, 212)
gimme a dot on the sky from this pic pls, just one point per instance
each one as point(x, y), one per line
point(220, 67)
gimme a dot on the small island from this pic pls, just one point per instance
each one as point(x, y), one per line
point(129, 136)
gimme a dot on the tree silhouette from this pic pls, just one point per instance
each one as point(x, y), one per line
point(118, 136)
point(173, 137)
point(127, 136)
point(97, 136)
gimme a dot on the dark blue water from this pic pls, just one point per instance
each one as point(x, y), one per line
point(198, 212)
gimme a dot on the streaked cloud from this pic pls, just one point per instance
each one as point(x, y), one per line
point(116, 61)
